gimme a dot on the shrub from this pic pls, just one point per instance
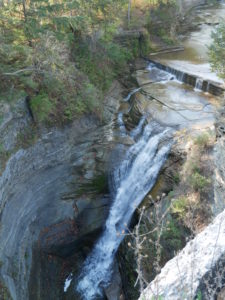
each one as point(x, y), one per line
point(176, 178)
point(41, 107)
point(194, 166)
point(216, 50)
point(202, 140)
point(199, 182)
point(172, 235)
point(180, 206)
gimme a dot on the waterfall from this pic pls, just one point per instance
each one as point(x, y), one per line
point(199, 84)
point(134, 178)
point(121, 124)
point(164, 74)
point(158, 74)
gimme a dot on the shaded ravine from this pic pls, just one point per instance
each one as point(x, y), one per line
point(133, 180)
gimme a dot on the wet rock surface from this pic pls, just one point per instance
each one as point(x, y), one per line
point(46, 215)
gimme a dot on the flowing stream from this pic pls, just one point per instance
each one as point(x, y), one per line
point(133, 180)
point(179, 106)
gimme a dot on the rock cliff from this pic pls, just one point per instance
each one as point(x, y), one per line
point(54, 197)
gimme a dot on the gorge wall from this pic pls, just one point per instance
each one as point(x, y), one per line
point(46, 216)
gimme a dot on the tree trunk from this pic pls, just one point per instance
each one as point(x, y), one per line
point(25, 21)
point(129, 13)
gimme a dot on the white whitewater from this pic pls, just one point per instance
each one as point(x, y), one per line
point(134, 178)
point(120, 122)
point(131, 94)
point(158, 75)
point(136, 131)
point(198, 85)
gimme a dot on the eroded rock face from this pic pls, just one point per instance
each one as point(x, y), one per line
point(198, 270)
point(46, 217)
point(219, 159)
point(183, 276)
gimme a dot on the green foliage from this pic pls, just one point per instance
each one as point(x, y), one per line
point(35, 55)
point(180, 206)
point(64, 91)
point(102, 61)
point(98, 185)
point(202, 140)
point(62, 54)
point(217, 50)
point(199, 182)
point(172, 236)
point(164, 35)
point(41, 107)
point(162, 19)
point(194, 166)
point(176, 178)
point(199, 295)
point(145, 45)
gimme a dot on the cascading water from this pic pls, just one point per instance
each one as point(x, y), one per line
point(121, 124)
point(131, 94)
point(136, 131)
point(164, 74)
point(159, 75)
point(134, 178)
point(199, 84)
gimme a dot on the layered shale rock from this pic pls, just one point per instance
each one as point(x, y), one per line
point(52, 199)
point(197, 270)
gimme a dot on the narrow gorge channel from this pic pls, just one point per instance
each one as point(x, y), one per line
point(132, 180)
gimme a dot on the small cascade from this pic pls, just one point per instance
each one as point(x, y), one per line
point(131, 94)
point(134, 178)
point(137, 131)
point(68, 282)
point(177, 74)
point(163, 74)
point(207, 88)
point(159, 75)
point(121, 124)
point(198, 85)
